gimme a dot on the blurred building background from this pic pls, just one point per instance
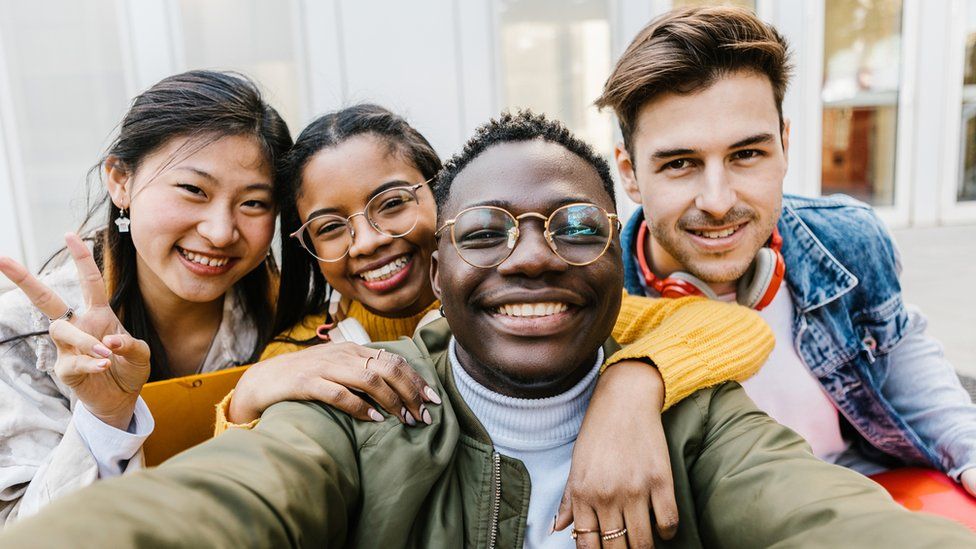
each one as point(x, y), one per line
point(883, 102)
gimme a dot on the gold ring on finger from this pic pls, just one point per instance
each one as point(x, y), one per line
point(366, 364)
point(378, 353)
point(64, 316)
point(613, 534)
point(577, 531)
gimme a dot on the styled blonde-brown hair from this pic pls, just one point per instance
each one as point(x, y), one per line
point(687, 50)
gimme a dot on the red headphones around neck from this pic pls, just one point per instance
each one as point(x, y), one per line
point(756, 289)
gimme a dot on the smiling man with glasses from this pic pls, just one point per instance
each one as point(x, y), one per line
point(528, 207)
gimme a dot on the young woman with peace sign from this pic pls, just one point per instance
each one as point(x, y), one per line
point(187, 286)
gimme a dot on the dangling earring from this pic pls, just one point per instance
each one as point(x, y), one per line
point(122, 222)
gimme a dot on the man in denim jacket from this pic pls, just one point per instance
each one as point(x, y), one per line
point(698, 95)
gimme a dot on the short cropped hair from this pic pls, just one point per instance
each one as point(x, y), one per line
point(523, 125)
point(687, 50)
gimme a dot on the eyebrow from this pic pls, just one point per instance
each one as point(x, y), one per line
point(757, 139)
point(508, 205)
point(389, 185)
point(206, 175)
point(383, 187)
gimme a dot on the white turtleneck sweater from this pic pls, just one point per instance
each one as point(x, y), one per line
point(538, 432)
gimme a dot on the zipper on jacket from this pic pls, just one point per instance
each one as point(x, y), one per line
point(496, 481)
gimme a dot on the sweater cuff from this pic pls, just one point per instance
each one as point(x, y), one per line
point(682, 370)
point(222, 424)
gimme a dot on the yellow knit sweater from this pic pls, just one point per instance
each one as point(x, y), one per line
point(694, 342)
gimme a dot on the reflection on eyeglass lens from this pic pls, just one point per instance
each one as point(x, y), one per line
point(486, 236)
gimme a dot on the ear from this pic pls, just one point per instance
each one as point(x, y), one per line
point(117, 178)
point(625, 167)
point(435, 282)
point(786, 138)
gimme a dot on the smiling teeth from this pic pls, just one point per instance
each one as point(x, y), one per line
point(205, 259)
point(386, 271)
point(531, 309)
point(716, 234)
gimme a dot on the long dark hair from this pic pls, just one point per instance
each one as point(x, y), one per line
point(203, 106)
point(303, 290)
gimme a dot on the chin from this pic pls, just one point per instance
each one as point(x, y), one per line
point(720, 272)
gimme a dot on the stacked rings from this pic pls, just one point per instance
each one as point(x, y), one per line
point(613, 534)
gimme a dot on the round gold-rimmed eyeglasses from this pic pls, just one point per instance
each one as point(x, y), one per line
point(485, 236)
point(393, 212)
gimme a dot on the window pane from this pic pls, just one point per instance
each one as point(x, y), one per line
point(748, 4)
point(967, 183)
point(66, 102)
point(555, 58)
point(250, 36)
point(862, 63)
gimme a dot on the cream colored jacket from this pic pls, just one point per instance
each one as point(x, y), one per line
point(42, 455)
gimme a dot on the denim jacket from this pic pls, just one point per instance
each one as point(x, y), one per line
point(901, 399)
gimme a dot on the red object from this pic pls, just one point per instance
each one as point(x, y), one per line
point(684, 285)
point(929, 491)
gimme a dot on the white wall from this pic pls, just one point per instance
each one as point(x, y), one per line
point(437, 62)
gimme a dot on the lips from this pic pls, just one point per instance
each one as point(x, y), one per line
point(533, 313)
point(388, 275)
point(719, 239)
point(205, 264)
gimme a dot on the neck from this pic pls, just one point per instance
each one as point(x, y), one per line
point(519, 424)
point(663, 264)
point(495, 379)
point(185, 328)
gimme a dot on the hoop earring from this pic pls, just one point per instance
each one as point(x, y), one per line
point(122, 221)
point(441, 310)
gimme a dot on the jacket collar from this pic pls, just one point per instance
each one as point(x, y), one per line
point(814, 276)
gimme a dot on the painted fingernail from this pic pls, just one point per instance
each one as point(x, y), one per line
point(406, 417)
point(375, 416)
point(101, 350)
point(425, 415)
point(432, 395)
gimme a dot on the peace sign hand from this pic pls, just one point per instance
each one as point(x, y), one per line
point(104, 365)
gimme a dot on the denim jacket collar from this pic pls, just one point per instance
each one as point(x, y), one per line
point(815, 276)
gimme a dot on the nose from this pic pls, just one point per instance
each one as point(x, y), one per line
point(717, 196)
point(219, 227)
point(365, 239)
point(532, 256)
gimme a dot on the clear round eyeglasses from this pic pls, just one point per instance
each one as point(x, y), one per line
point(485, 236)
point(393, 212)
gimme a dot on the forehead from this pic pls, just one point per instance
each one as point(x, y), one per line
point(526, 176)
point(226, 158)
point(351, 170)
point(734, 107)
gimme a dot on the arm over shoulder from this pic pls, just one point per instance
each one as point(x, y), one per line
point(757, 484)
point(694, 342)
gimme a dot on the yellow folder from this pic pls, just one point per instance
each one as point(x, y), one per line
point(183, 409)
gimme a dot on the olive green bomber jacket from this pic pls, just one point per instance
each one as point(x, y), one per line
point(309, 476)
